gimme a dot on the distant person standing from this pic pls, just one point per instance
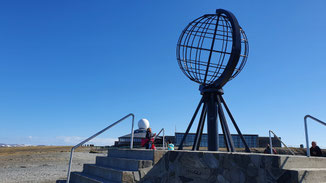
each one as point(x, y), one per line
point(268, 150)
point(315, 150)
point(149, 138)
point(170, 145)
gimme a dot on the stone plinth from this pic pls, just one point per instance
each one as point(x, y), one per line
point(221, 167)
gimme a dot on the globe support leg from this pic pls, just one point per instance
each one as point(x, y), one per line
point(202, 129)
point(190, 124)
point(213, 103)
point(226, 128)
point(199, 129)
point(235, 125)
point(226, 140)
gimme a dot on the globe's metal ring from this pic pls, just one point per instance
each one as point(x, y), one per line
point(236, 49)
point(225, 70)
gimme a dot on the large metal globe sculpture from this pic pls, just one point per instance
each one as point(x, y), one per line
point(210, 45)
point(211, 51)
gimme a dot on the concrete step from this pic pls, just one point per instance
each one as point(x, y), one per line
point(289, 162)
point(123, 163)
point(78, 177)
point(310, 175)
point(111, 174)
point(140, 154)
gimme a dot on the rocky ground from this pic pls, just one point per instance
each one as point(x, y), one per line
point(40, 164)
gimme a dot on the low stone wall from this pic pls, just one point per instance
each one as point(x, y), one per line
point(222, 167)
point(158, 155)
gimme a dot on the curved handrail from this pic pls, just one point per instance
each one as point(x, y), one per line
point(271, 142)
point(98, 133)
point(306, 130)
point(163, 136)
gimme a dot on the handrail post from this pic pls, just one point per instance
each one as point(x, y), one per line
point(162, 130)
point(306, 133)
point(270, 142)
point(306, 130)
point(70, 162)
point(132, 133)
point(98, 133)
point(163, 139)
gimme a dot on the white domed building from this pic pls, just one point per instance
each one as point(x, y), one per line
point(139, 134)
point(143, 124)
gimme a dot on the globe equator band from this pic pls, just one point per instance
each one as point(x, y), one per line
point(206, 49)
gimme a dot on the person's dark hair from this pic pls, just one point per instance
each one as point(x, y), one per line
point(169, 142)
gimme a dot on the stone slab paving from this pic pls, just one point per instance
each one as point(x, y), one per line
point(222, 167)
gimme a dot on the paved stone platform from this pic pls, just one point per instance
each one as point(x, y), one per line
point(148, 166)
point(223, 167)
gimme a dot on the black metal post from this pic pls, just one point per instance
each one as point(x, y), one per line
point(212, 102)
point(199, 128)
point(201, 132)
point(226, 140)
point(212, 132)
point(190, 124)
point(223, 120)
point(235, 125)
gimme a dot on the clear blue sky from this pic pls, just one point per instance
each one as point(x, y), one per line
point(69, 68)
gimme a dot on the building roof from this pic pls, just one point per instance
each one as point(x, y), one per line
point(139, 133)
point(219, 134)
point(136, 135)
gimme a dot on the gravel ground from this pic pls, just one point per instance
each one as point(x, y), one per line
point(39, 166)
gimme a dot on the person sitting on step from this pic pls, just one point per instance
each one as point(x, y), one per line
point(170, 145)
point(315, 150)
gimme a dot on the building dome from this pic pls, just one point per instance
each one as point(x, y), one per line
point(143, 124)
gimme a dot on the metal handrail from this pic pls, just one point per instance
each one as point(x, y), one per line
point(271, 142)
point(98, 133)
point(306, 130)
point(163, 136)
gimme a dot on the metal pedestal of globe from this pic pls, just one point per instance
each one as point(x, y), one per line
point(213, 102)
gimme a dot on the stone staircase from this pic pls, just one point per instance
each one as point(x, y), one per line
point(303, 169)
point(119, 166)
